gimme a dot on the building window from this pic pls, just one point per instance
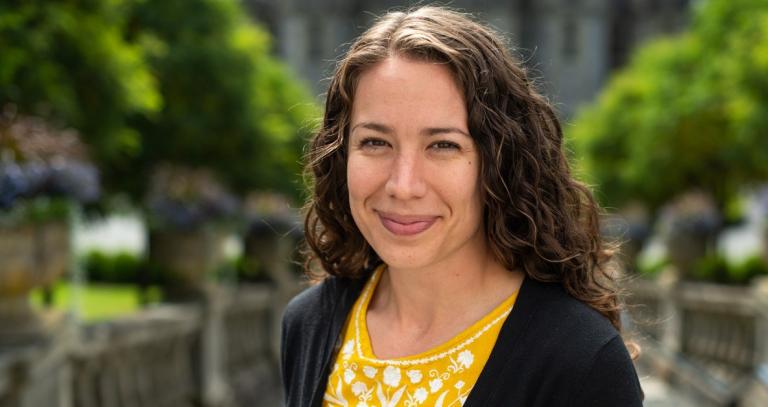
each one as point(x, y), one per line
point(570, 38)
point(316, 38)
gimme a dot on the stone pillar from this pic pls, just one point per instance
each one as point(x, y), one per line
point(272, 243)
point(760, 293)
point(670, 322)
point(756, 393)
point(669, 311)
point(216, 391)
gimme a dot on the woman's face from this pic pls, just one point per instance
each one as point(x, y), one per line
point(412, 170)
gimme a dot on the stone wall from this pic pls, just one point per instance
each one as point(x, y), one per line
point(218, 352)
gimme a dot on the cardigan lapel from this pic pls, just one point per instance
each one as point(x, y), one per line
point(350, 290)
point(494, 374)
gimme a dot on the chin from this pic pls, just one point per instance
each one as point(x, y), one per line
point(404, 258)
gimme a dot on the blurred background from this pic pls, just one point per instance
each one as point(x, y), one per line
point(151, 186)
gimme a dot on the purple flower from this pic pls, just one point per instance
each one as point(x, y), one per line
point(13, 184)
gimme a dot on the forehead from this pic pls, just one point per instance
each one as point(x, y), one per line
point(403, 91)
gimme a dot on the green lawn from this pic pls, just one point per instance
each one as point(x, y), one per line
point(98, 301)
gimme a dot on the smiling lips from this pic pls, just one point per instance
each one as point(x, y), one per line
point(406, 225)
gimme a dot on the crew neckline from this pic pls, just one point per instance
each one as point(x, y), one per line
point(459, 342)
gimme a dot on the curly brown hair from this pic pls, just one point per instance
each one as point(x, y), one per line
point(537, 217)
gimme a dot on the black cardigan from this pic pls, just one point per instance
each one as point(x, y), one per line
point(553, 350)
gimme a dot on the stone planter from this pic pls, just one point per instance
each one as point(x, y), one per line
point(630, 227)
point(685, 248)
point(272, 243)
point(31, 255)
point(690, 226)
point(186, 259)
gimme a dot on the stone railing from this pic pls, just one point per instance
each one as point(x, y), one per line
point(39, 374)
point(146, 359)
point(250, 364)
point(216, 353)
point(218, 348)
point(708, 339)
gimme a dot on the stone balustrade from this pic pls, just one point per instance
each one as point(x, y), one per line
point(711, 340)
point(217, 348)
point(214, 353)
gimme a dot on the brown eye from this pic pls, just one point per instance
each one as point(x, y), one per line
point(445, 145)
point(371, 142)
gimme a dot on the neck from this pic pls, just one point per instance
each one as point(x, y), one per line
point(463, 286)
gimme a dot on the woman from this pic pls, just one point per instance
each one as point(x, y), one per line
point(460, 261)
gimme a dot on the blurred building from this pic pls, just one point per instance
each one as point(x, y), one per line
point(572, 45)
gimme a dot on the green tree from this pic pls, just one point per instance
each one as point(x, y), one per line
point(687, 112)
point(68, 61)
point(228, 104)
point(187, 82)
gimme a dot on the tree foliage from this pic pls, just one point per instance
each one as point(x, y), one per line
point(688, 112)
point(229, 105)
point(68, 62)
point(149, 82)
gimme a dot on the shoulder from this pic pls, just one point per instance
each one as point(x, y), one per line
point(568, 332)
point(311, 301)
point(564, 319)
point(611, 378)
point(322, 297)
point(563, 352)
point(308, 314)
point(311, 322)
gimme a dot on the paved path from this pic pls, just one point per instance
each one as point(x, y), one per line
point(660, 394)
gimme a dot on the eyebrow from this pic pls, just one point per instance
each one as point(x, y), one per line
point(429, 131)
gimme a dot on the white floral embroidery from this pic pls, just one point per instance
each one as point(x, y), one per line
point(441, 399)
point(420, 394)
point(348, 348)
point(337, 397)
point(414, 375)
point(358, 388)
point(384, 398)
point(392, 376)
point(349, 375)
point(459, 384)
point(370, 371)
point(466, 358)
point(435, 385)
point(362, 404)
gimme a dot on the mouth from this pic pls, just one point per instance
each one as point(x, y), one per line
point(406, 225)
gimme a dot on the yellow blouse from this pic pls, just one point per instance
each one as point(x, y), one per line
point(442, 376)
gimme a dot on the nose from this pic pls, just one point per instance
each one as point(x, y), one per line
point(406, 177)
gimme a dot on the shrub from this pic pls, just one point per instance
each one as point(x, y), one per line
point(711, 268)
point(113, 268)
point(749, 269)
point(716, 269)
point(652, 268)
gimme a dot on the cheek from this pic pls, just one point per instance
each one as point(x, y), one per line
point(464, 180)
point(472, 191)
point(361, 179)
point(463, 190)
